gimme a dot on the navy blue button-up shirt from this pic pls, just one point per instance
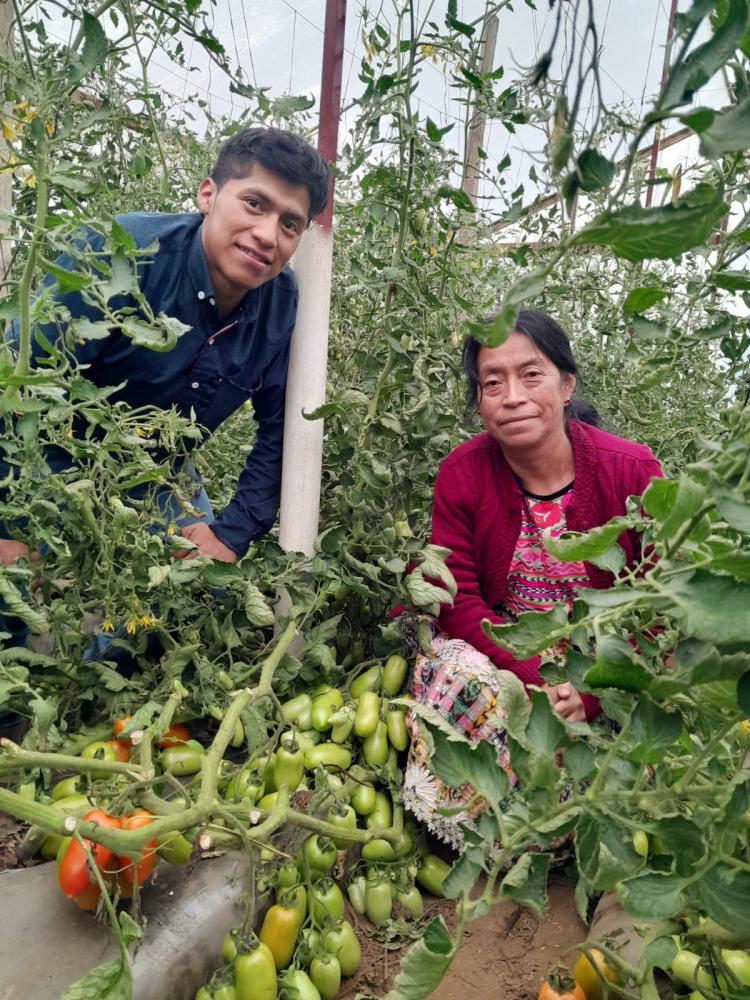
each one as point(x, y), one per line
point(214, 367)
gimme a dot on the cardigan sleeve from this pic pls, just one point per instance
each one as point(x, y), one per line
point(453, 528)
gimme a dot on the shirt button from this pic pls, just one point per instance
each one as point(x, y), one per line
point(201, 295)
point(195, 385)
point(212, 301)
point(210, 340)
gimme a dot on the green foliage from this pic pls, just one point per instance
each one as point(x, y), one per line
point(647, 294)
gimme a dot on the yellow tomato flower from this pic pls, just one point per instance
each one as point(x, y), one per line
point(107, 626)
point(145, 621)
point(132, 626)
point(10, 164)
point(171, 530)
point(10, 132)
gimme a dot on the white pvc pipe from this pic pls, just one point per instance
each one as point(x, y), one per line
point(305, 391)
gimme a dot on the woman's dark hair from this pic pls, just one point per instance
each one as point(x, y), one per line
point(281, 153)
point(551, 340)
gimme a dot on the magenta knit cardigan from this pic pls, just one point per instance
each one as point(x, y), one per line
point(477, 515)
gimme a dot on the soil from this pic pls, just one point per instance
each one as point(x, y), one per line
point(11, 835)
point(505, 954)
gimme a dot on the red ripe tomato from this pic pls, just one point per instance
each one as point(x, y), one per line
point(72, 871)
point(130, 872)
point(176, 734)
point(89, 898)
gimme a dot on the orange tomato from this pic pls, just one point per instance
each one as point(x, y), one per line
point(118, 725)
point(585, 973)
point(121, 749)
point(548, 992)
point(176, 734)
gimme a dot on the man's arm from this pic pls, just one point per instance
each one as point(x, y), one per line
point(253, 510)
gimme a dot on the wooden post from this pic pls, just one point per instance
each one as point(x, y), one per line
point(659, 127)
point(475, 132)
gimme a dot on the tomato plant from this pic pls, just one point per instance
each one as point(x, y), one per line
point(645, 271)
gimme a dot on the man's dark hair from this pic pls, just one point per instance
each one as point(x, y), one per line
point(551, 340)
point(281, 153)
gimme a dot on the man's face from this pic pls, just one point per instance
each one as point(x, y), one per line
point(251, 228)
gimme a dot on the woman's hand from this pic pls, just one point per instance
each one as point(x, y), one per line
point(567, 702)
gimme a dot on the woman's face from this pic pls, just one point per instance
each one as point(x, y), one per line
point(521, 394)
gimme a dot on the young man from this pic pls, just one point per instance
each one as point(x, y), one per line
point(222, 273)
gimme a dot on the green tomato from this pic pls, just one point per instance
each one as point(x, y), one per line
point(299, 983)
point(229, 950)
point(378, 901)
point(345, 818)
point(287, 875)
point(328, 755)
point(323, 707)
point(356, 893)
point(395, 721)
point(73, 805)
point(383, 850)
point(640, 843)
point(288, 766)
point(432, 874)
point(292, 709)
point(368, 714)
point(342, 723)
point(67, 787)
point(684, 967)
point(268, 801)
point(319, 853)
point(394, 675)
point(245, 784)
point(255, 974)
point(363, 799)
point(382, 815)
point(204, 993)
point(412, 902)
point(738, 962)
point(375, 746)
point(324, 899)
point(225, 992)
point(342, 942)
point(325, 973)
point(370, 680)
point(174, 848)
point(182, 758)
point(98, 751)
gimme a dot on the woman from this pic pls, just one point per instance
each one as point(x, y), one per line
point(534, 467)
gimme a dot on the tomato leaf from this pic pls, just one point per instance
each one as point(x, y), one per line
point(722, 893)
point(638, 233)
point(652, 895)
point(110, 981)
point(534, 631)
point(691, 73)
point(714, 607)
point(641, 299)
point(654, 731)
point(545, 731)
point(457, 763)
point(526, 882)
point(424, 964)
